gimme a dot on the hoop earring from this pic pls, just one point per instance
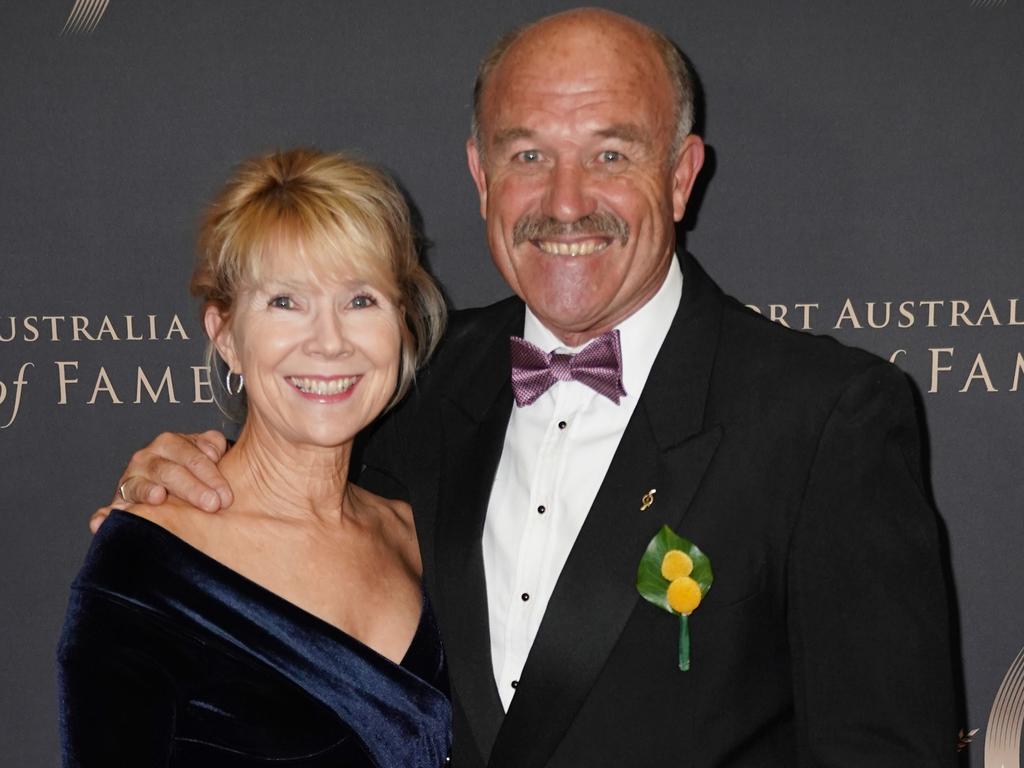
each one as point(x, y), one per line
point(227, 383)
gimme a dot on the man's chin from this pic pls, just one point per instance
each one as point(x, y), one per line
point(569, 322)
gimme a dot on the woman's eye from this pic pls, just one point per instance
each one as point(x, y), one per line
point(282, 302)
point(610, 156)
point(362, 301)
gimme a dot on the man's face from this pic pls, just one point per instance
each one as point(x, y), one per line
point(575, 179)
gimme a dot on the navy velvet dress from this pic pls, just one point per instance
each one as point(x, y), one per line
point(169, 658)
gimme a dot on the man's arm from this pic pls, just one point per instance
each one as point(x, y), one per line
point(868, 604)
point(174, 464)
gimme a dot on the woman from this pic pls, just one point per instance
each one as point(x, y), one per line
point(292, 628)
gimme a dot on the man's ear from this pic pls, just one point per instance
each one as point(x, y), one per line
point(218, 330)
point(476, 170)
point(688, 164)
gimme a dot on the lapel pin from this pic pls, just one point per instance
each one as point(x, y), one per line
point(647, 499)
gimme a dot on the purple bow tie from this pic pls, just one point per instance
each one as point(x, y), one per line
point(598, 365)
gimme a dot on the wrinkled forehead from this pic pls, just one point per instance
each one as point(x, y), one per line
point(559, 67)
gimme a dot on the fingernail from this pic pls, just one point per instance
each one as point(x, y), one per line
point(209, 500)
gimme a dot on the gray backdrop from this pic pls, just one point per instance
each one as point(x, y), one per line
point(865, 155)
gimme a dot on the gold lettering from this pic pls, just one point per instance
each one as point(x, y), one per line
point(103, 384)
point(958, 311)
point(1017, 372)
point(871, 315)
point(807, 314)
point(13, 332)
point(848, 313)
point(931, 310)
point(176, 328)
point(63, 380)
point(1014, 320)
point(53, 325)
point(905, 312)
point(754, 308)
point(141, 381)
point(988, 311)
point(129, 331)
point(978, 371)
point(936, 368)
point(897, 353)
point(201, 377)
point(79, 323)
point(778, 314)
point(152, 327)
point(18, 384)
point(107, 327)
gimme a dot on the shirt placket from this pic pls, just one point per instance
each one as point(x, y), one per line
point(529, 598)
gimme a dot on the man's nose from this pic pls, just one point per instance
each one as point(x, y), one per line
point(568, 196)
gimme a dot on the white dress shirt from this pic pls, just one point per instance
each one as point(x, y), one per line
point(554, 459)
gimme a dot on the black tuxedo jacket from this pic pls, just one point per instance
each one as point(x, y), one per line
point(793, 462)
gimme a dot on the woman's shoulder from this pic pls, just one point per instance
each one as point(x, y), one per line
point(174, 516)
point(127, 551)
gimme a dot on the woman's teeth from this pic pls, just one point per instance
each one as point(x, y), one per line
point(322, 386)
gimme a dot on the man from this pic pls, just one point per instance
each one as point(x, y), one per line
point(790, 460)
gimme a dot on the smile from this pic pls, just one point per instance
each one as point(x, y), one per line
point(584, 248)
point(322, 387)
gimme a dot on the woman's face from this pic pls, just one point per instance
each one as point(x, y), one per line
point(320, 355)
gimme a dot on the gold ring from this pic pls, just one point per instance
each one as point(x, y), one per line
point(120, 490)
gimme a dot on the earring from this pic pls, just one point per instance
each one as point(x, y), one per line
point(227, 383)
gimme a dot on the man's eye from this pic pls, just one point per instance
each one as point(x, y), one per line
point(282, 302)
point(528, 156)
point(363, 301)
point(610, 156)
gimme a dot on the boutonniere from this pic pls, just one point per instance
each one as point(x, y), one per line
point(675, 575)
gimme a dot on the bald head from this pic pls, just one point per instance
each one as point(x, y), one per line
point(611, 37)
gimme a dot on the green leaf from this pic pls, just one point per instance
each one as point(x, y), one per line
point(652, 586)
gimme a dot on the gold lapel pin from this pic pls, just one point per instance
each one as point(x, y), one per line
point(647, 499)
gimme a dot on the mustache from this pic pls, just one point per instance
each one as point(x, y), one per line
point(599, 223)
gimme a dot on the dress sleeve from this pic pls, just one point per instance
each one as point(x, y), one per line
point(116, 698)
point(868, 595)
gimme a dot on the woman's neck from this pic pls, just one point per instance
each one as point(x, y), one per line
point(272, 476)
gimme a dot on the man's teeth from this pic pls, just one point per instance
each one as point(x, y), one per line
point(572, 249)
point(322, 386)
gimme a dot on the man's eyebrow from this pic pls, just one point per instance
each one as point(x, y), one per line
point(508, 135)
point(629, 132)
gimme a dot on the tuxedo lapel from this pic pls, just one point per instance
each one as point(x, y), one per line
point(666, 447)
point(474, 416)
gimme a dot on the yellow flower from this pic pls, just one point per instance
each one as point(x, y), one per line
point(684, 595)
point(676, 564)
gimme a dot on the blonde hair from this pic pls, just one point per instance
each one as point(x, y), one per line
point(341, 214)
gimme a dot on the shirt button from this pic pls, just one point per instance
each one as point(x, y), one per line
point(515, 683)
point(525, 596)
point(541, 509)
point(562, 425)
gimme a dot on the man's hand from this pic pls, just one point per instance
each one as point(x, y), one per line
point(174, 464)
